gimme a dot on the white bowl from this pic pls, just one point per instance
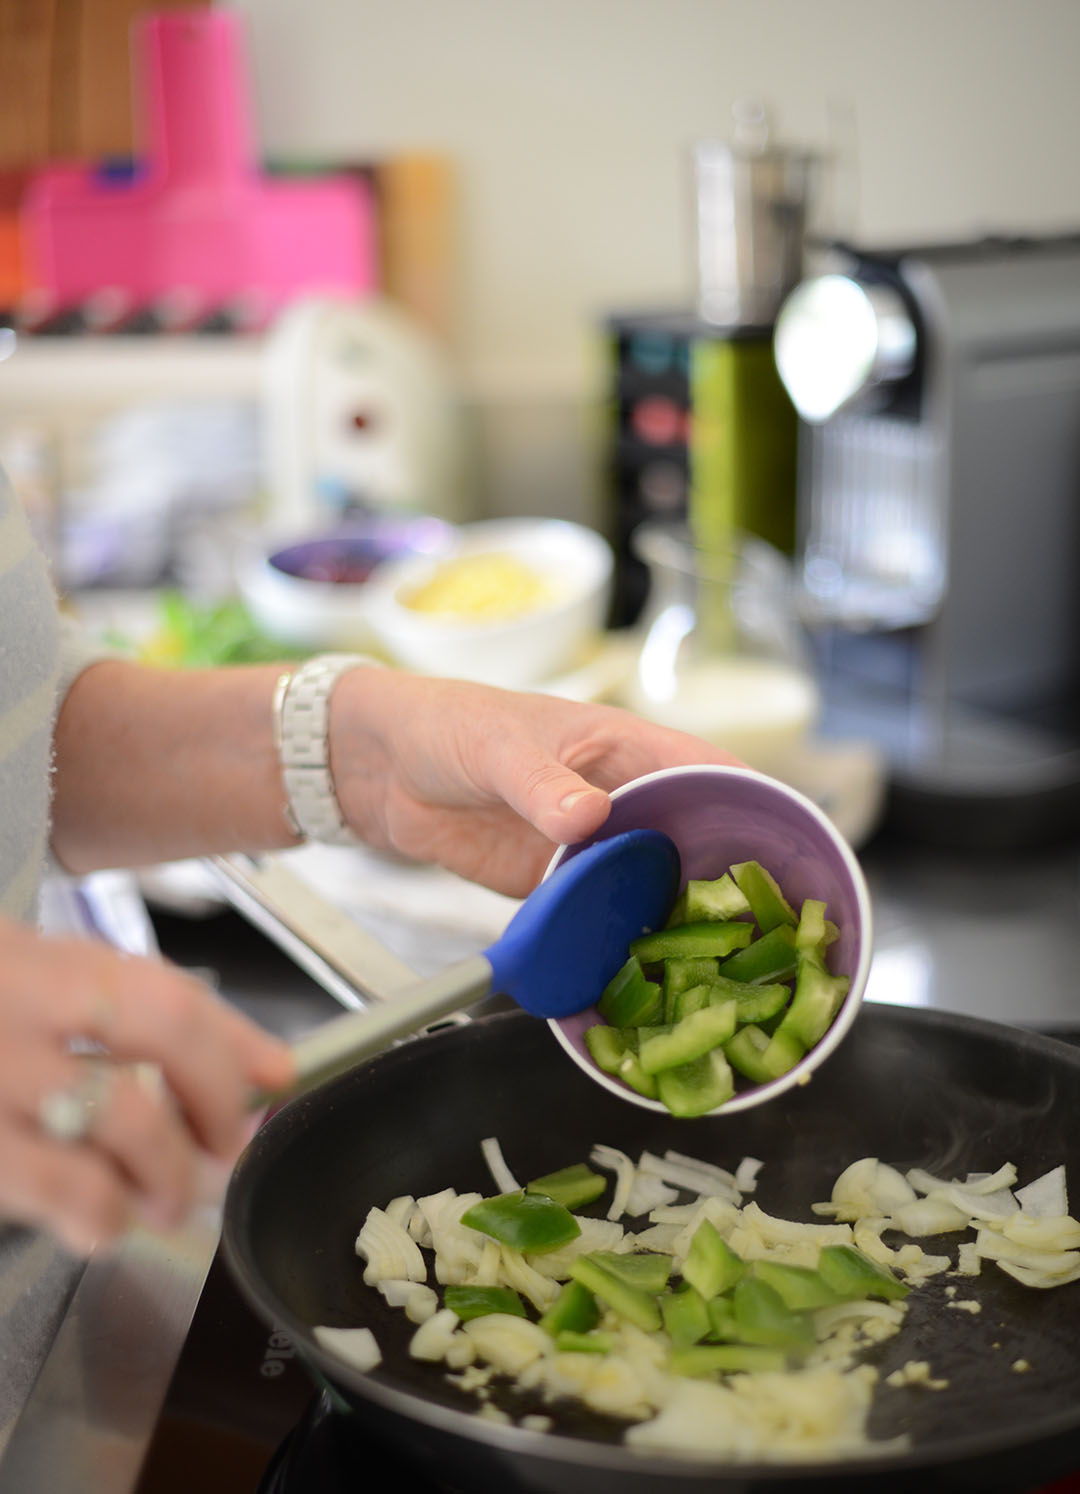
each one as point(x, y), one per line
point(291, 592)
point(516, 651)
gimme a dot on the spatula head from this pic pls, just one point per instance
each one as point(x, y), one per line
point(573, 932)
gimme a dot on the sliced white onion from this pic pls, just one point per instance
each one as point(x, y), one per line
point(930, 1216)
point(648, 1193)
point(707, 1169)
point(1050, 1262)
point(389, 1250)
point(505, 1180)
point(507, 1342)
point(432, 1339)
point(692, 1178)
point(790, 1231)
point(612, 1160)
point(357, 1347)
point(1046, 1197)
point(977, 1204)
point(1044, 1233)
point(1028, 1277)
point(746, 1174)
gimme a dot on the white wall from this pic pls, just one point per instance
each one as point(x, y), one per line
point(571, 120)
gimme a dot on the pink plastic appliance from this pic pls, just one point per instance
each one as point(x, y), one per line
point(195, 217)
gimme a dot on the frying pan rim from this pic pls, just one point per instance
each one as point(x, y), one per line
point(612, 1457)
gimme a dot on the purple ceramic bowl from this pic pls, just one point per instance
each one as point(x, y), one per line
point(717, 816)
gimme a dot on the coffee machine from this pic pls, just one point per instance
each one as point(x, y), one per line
point(938, 515)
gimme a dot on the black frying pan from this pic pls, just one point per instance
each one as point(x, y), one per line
point(912, 1087)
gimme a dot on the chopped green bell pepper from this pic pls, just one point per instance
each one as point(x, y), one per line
point(759, 1057)
point(573, 1311)
point(762, 891)
point(688, 1039)
point(721, 1320)
point(770, 958)
point(573, 1187)
point(753, 1003)
point(853, 1276)
point(711, 1266)
point(725, 1359)
point(523, 1221)
point(697, 1087)
point(686, 1317)
point(645, 1269)
point(691, 941)
point(680, 975)
point(629, 1302)
point(613, 1050)
point(685, 1002)
point(569, 1342)
point(714, 901)
point(800, 1288)
point(477, 1301)
point(629, 999)
point(762, 1317)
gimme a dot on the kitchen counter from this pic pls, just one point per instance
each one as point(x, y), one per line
point(86, 1353)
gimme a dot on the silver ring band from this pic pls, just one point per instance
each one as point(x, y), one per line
point(68, 1115)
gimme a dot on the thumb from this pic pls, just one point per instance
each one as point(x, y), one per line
point(561, 804)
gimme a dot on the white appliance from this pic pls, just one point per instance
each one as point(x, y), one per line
point(359, 410)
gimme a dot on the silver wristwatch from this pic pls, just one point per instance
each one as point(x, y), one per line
point(301, 736)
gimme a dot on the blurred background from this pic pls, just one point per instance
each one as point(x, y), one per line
point(781, 301)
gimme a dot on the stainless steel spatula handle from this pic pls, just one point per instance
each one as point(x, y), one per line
point(344, 1041)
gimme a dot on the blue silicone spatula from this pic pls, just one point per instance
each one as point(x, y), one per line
point(556, 955)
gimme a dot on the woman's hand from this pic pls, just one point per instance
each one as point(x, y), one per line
point(137, 1158)
point(485, 781)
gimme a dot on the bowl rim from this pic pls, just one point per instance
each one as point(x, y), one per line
point(802, 1072)
point(388, 576)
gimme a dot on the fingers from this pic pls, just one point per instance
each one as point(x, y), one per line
point(86, 1146)
point(73, 1192)
point(210, 1056)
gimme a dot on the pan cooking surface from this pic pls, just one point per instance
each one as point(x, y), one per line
point(914, 1088)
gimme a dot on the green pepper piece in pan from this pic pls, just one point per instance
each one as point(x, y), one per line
point(573, 1187)
point(569, 1342)
point(725, 1359)
point(692, 941)
point(573, 1311)
point(762, 891)
point(630, 1302)
point(524, 1221)
point(477, 1301)
point(770, 958)
point(686, 1318)
point(711, 1266)
point(762, 1317)
point(645, 1269)
point(628, 999)
point(801, 1289)
point(853, 1275)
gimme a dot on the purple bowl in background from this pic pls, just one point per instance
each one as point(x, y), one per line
point(348, 555)
point(313, 593)
point(720, 815)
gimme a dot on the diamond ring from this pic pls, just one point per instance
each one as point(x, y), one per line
point(67, 1115)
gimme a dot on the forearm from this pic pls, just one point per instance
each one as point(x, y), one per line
point(154, 765)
